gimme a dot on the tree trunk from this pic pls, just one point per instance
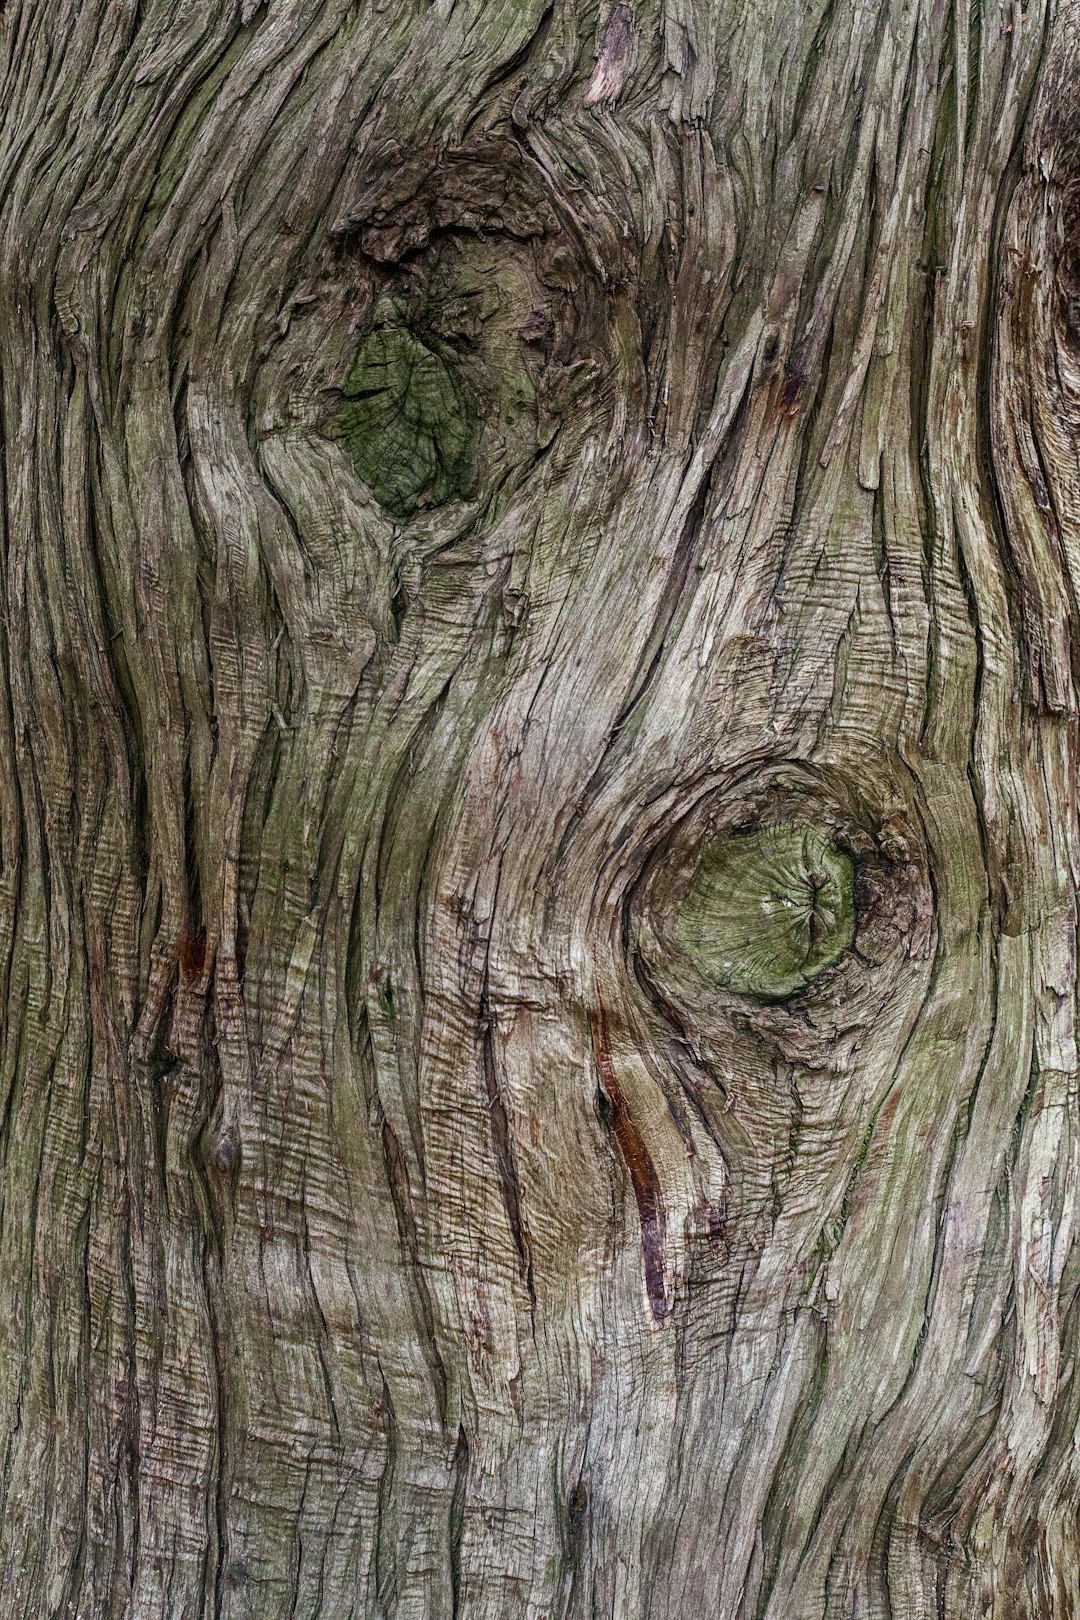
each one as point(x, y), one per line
point(538, 810)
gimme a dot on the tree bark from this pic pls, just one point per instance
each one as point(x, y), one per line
point(538, 810)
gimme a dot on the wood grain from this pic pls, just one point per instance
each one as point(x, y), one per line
point(394, 1221)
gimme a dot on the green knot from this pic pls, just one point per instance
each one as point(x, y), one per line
point(405, 422)
point(766, 912)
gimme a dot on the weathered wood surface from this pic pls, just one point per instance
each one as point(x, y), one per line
point(464, 467)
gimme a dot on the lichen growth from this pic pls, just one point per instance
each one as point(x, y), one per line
point(766, 912)
point(405, 422)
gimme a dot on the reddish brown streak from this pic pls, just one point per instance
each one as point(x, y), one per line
point(790, 390)
point(192, 952)
point(643, 1175)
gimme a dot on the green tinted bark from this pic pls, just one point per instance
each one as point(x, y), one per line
point(405, 423)
point(768, 911)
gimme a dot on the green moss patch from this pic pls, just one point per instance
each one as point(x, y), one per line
point(766, 912)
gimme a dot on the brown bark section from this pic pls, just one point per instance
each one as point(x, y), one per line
point(392, 1223)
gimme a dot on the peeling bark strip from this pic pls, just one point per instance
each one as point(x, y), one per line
point(613, 58)
point(494, 498)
